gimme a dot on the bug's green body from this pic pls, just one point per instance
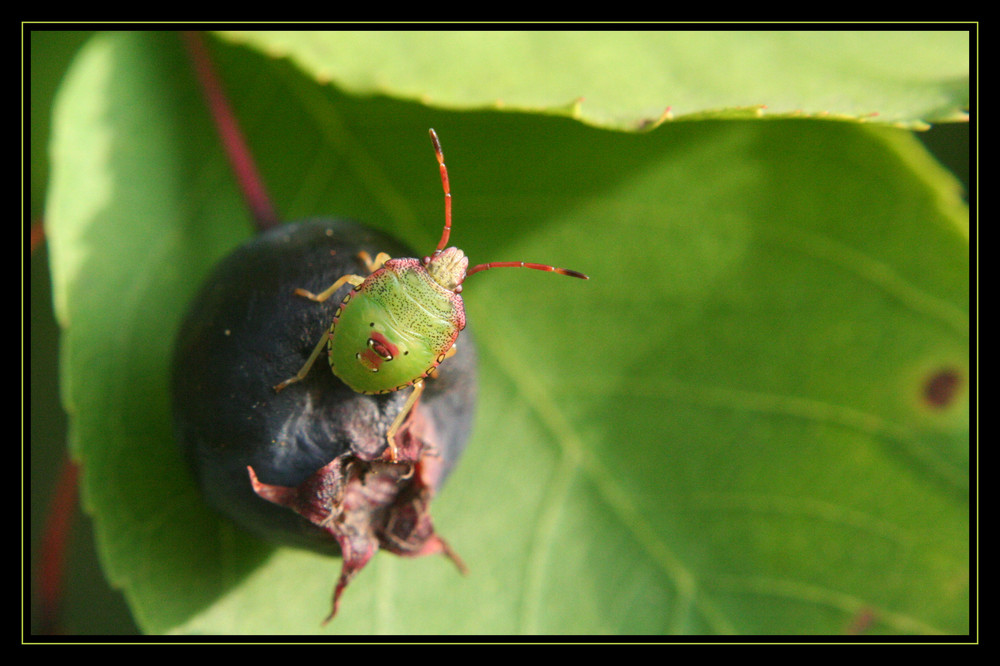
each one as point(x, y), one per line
point(402, 320)
point(394, 328)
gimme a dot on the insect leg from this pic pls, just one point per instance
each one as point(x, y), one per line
point(328, 292)
point(418, 388)
point(301, 374)
point(370, 265)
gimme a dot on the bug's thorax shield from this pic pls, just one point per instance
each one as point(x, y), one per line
point(448, 267)
point(395, 329)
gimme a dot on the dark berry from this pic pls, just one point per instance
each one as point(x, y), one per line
point(306, 466)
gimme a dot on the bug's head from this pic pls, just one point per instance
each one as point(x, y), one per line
point(448, 268)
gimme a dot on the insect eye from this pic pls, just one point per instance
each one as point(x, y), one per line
point(379, 349)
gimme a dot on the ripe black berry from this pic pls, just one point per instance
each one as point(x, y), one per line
point(307, 466)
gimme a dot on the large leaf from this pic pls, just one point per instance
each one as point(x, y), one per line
point(632, 79)
point(752, 419)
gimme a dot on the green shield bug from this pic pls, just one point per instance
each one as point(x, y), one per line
point(401, 321)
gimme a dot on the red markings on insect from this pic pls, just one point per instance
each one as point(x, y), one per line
point(378, 352)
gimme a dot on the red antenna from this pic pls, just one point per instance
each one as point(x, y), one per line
point(446, 234)
point(447, 191)
point(522, 264)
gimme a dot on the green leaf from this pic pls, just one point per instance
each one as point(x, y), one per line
point(728, 429)
point(632, 79)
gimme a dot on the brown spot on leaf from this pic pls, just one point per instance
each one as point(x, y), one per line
point(941, 387)
point(862, 621)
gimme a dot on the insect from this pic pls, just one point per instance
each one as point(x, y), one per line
point(398, 324)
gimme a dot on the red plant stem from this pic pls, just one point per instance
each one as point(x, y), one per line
point(52, 556)
point(250, 182)
point(37, 235)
